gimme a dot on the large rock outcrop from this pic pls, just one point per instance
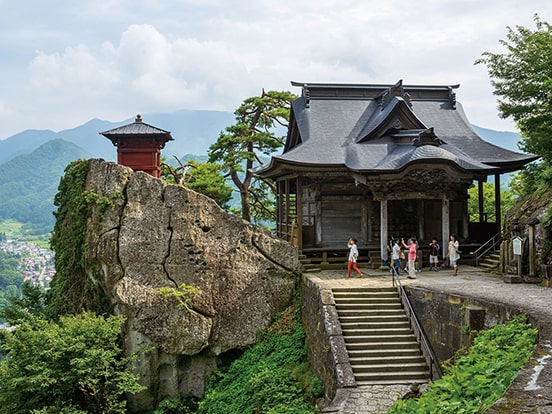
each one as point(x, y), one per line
point(145, 235)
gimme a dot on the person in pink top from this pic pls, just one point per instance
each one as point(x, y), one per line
point(412, 254)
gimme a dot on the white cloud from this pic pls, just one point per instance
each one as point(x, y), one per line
point(115, 58)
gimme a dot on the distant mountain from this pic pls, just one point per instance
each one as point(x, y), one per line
point(32, 162)
point(193, 133)
point(504, 139)
point(29, 182)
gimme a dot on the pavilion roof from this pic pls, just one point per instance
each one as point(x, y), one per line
point(137, 129)
point(385, 128)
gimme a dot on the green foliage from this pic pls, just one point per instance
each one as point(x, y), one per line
point(183, 294)
point(270, 377)
point(205, 178)
point(72, 366)
point(30, 304)
point(506, 197)
point(179, 404)
point(10, 278)
point(71, 291)
point(240, 147)
point(28, 184)
point(478, 379)
point(522, 78)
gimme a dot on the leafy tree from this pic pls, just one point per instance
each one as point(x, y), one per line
point(205, 178)
point(522, 78)
point(240, 147)
point(75, 365)
point(506, 197)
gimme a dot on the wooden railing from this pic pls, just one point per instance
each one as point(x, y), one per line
point(435, 371)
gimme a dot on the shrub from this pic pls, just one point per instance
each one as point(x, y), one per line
point(268, 378)
point(475, 381)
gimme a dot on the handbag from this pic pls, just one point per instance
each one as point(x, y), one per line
point(401, 255)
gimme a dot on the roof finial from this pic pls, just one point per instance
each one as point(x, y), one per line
point(138, 118)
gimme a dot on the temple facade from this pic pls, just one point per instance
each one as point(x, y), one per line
point(381, 161)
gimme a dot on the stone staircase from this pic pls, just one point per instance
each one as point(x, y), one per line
point(381, 345)
point(490, 261)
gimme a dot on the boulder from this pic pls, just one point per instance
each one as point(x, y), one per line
point(145, 235)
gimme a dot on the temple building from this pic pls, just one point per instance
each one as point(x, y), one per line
point(380, 161)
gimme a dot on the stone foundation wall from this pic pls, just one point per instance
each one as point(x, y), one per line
point(450, 321)
point(326, 347)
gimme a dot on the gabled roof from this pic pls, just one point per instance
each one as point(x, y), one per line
point(385, 128)
point(137, 129)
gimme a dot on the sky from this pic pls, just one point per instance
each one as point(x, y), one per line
point(63, 62)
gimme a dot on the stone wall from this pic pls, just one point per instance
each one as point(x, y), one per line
point(450, 321)
point(326, 347)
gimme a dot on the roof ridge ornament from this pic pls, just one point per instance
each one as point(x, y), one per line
point(427, 137)
point(389, 93)
point(138, 119)
point(452, 96)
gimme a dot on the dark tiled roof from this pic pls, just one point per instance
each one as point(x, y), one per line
point(137, 129)
point(361, 131)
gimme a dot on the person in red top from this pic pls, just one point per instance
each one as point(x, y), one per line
point(412, 254)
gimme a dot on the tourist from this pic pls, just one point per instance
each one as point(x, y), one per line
point(412, 253)
point(434, 254)
point(353, 256)
point(396, 256)
point(453, 253)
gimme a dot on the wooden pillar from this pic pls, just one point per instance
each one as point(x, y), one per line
point(421, 220)
point(498, 202)
point(364, 220)
point(383, 229)
point(465, 220)
point(286, 212)
point(318, 215)
point(445, 225)
point(532, 259)
point(279, 230)
point(370, 221)
point(480, 201)
point(299, 208)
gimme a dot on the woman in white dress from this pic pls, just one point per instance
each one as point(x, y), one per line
point(453, 253)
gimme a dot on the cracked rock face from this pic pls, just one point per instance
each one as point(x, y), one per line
point(154, 236)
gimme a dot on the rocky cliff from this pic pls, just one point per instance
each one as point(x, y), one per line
point(150, 235)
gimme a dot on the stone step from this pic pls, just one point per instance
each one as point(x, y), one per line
point(374, 318)
point(369, 306)
point(364, 293)
point(367, 313)
point(395, 381)
point(367, 301)
point(379, 338)
point(377, 332)
point(363, 290)
point(387, 359)
point(380, 353)
point(377, 296)
point(371, 345)
point(389, 368)
point(404, 324)
point(407, 376)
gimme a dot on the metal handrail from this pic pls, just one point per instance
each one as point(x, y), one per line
point(487, 247)
point(435, 371)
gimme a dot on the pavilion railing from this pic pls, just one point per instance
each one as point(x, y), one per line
point(435, 371)
point(488, 246)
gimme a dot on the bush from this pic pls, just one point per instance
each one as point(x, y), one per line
point(271, 377)
point(73, 366)
point(477, 380)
